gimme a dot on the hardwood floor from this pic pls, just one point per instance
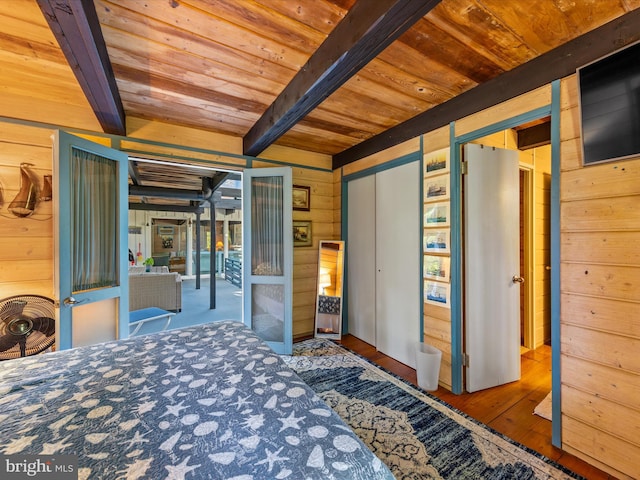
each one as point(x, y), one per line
point(507, 409)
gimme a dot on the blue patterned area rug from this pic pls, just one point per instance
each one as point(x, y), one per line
point(415, 434)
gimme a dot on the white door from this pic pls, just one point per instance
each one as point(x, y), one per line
point(398, 251)
point(91, 254)
point(492, 266)
point(361, 265)
point(267, 255)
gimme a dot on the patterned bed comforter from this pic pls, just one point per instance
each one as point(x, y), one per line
point(211, 401)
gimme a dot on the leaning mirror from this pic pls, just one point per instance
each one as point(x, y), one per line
point(328, 322)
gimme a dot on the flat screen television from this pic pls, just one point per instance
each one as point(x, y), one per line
point(610, 106)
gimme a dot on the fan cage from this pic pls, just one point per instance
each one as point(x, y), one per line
point(27, 325)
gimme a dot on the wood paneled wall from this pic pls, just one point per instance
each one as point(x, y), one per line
point(600, 302)
point(26, 244)
point(305, 259)
point(542, 245)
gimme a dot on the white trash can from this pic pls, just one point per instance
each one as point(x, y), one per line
point(428, 366)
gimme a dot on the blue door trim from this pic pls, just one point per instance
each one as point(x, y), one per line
point(456, 262)
point(556, 424)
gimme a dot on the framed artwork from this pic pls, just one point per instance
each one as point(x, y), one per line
point(437, 293)
point(301, 197)
point(167, 241)
point(436, 188)
point(436, 162)
point(302, 233)
point(436, 214)
point(437, 267)
point(437, 241)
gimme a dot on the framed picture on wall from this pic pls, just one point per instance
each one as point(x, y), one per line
point(301, 197)
point(436, 267)
point(436, 162)
point(302, 234)
point(167, 241)
point(436, 241)
point(436, 188)
point(437, 293)
point(436, 214)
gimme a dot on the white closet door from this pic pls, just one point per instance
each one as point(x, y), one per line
point(397, 204)
point(361, 265)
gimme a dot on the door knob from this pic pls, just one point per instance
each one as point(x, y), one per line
point(517, 279)
point(70, 301)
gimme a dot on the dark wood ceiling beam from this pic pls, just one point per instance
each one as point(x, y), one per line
point(76, 26)
point(226, 203)
point(211, 184)
point(366, 30)
point(535, 136)
point(134, 172)
point(555, 64)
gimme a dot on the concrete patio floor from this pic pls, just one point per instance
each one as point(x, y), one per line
point(195, 305)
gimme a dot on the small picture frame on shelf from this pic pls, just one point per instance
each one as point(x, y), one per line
point(302, 233)
point(436, 162)
point(301, 197)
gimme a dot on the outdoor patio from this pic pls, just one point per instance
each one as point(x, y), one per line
point(195, 305)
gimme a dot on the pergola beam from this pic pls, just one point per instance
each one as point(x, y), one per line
point(161, 192)
point(166, 208)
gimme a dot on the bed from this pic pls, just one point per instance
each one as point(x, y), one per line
point(211, 401)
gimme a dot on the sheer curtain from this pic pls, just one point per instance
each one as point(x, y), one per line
point(94, 231)
point(267, 220)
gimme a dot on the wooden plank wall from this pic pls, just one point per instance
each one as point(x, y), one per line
point(26, 244)
point(600, 302)
point(542, 245)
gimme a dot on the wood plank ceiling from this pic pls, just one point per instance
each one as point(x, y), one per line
point(220, 64)
point(239, 67)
